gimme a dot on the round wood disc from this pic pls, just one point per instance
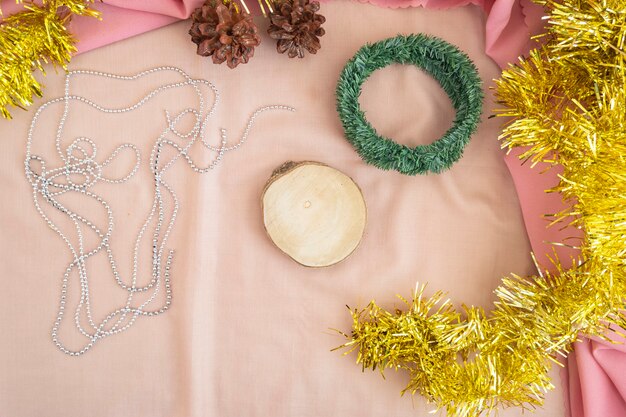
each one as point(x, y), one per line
point(313, 213)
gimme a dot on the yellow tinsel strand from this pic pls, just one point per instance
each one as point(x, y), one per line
point(567, 102)
point(28, 40)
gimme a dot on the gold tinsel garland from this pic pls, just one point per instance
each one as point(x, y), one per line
point(31, 38)
point(568, 104)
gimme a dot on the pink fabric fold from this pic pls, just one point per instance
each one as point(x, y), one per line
point(248, 333)
point(596, 377)
point(506, 26)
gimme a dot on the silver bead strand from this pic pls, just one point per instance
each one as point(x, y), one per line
point(79, 160)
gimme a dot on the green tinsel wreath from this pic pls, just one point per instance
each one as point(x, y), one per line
point(448, 65)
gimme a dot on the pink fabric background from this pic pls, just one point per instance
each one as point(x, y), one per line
point(507, 24)
point(248, 333)
point(596, 388)
point(508, 28)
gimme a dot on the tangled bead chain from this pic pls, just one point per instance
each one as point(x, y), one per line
point(79, 160)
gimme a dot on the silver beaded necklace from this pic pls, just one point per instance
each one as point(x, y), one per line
point(79, 159)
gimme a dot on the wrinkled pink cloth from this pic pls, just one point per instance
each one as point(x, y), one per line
point(596, 377)
point(506, 26)
point(248, 333)
point(596, 374)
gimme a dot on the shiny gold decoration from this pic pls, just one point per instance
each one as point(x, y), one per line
point(567, 101)
point(31, 38)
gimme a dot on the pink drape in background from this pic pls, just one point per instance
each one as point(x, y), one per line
point(596, 375)
point(506, 26)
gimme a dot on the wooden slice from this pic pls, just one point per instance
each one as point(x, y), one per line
point(313, 213)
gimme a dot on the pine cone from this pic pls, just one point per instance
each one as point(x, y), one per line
point(224, 33)
point(297, 27)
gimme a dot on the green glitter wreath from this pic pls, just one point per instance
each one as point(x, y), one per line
point(448, 65)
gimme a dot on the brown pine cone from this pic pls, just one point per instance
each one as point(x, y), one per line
point(223, 32)
point(297, 27)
